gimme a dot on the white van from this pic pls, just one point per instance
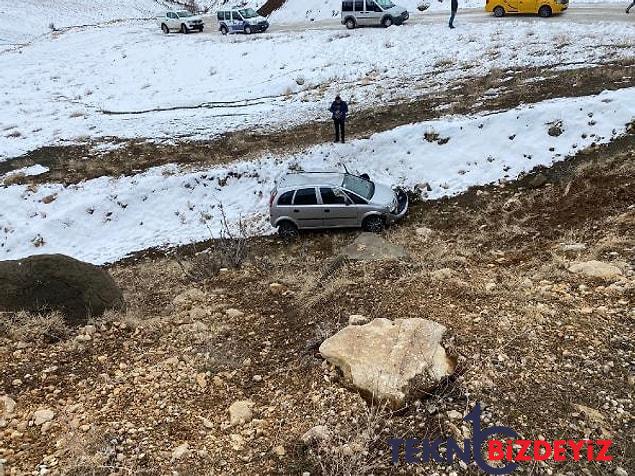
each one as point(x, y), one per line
point(372, 12)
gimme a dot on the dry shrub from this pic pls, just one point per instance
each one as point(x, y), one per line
point(228, 250)
point(14, 179)
point(352, 449)
point(27, 327)
point(91, 453)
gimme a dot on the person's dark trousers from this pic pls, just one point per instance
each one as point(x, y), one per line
point(628, 9)
point(339, 129)
point(455, 7)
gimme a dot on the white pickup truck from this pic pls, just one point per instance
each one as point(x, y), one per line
point(180, 20)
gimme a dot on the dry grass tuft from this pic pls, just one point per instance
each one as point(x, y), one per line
point(27, 327)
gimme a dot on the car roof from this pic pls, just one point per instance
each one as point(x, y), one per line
point(315, 179)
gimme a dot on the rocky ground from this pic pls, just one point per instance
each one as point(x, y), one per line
point(215, 369)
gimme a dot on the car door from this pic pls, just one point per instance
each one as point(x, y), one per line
point(511, 5)
point(237, 22)
point(360, 12)
point(527, 6)
point(338, 209)
point(373, 13)
point(172, 21)
point(306, 210)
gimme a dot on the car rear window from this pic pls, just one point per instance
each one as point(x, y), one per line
point(285, 198)
point(305, 196)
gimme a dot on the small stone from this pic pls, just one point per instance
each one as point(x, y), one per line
point(257, 378)
point(455, 415)
point(217, 381)
point(572, 247)
point(181, 451)
point(7, 405)
point(596, 269)
point(279, 451)
point(234, 313)
point(424, 232)
point(240, 412)
point(198, 313)
point(201, 380)
point(89, 330)
point(619, 471)
point(316, 434)
point(42, 416)
point(358, 320)
point(16, 382)
point(489, 287)
point(276, 288)
point(206, 423)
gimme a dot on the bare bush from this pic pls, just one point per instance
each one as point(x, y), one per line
point(26, 327)
point(229, 250)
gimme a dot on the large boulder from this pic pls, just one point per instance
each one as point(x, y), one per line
point(390, 361)
point(596, 269)
point(56, 282)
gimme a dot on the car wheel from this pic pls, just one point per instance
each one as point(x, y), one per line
point(200, 30)
point(374, 224)
point(224, 30)
point(165, 28)
point(544, 11)
point(288, 230)
point(350, 24)
point(184, 29)
point(247, 30)
point(499, 12)
point(386, 22)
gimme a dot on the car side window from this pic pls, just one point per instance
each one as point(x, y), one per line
point(347, 6)
point(171, 15)
point(357, 199)
point(358, 5)
point(285, 198)
point(305, 196)
point(237, 16)
point(220, 15)
point(332, 196)
point(228, 16)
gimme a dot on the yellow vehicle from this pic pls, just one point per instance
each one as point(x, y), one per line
point(544, 8)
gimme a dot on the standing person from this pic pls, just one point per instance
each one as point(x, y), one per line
point(454, 6)
point(628, 9)
point(339, 109)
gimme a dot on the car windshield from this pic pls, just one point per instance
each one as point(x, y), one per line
point(184, 14)
point(385, 4)
point(248, 13)
point(363, 188)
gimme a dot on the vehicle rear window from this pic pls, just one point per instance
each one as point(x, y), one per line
point(285, 198)
point(305, 196)
point(332, 197)
point(347, 6)
point(363, 188)
point(220, 15)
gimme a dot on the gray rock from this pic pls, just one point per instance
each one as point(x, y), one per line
point(596, 269)
point(240, 412)
point(42, 416)
point(372, 247)
point(358, 320)
point(316, 434)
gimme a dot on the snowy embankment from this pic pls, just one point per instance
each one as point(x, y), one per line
point(105, 219)
point(310, 10)
point(23, 20)
point(276, 80)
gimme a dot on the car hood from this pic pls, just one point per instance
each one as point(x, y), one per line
point(255, 20)
point(192, 18)
point(384, 196)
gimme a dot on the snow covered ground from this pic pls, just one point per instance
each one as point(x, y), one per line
point(59, 91)
point(105, 219)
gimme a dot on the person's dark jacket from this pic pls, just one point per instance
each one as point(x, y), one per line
point(339, 110)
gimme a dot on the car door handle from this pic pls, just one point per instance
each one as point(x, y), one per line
point(295, 210)
point(326, 210)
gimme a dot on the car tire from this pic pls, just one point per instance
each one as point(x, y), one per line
point(499, 12)
point(544, 11)
point(386, 22)
point(200, 30)
point(224, 30)
point(350, 24)
point(247, 30)
point(165, 28)
point(184, 29)
point(374, 224)
point(288, 231)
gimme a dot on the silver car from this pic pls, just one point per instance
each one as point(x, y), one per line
point(307, 200)
point(372, 12)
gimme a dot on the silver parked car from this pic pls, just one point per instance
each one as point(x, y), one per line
point(306, 200)
point(372, 12)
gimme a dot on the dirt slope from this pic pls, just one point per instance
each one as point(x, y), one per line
point(548, 352)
